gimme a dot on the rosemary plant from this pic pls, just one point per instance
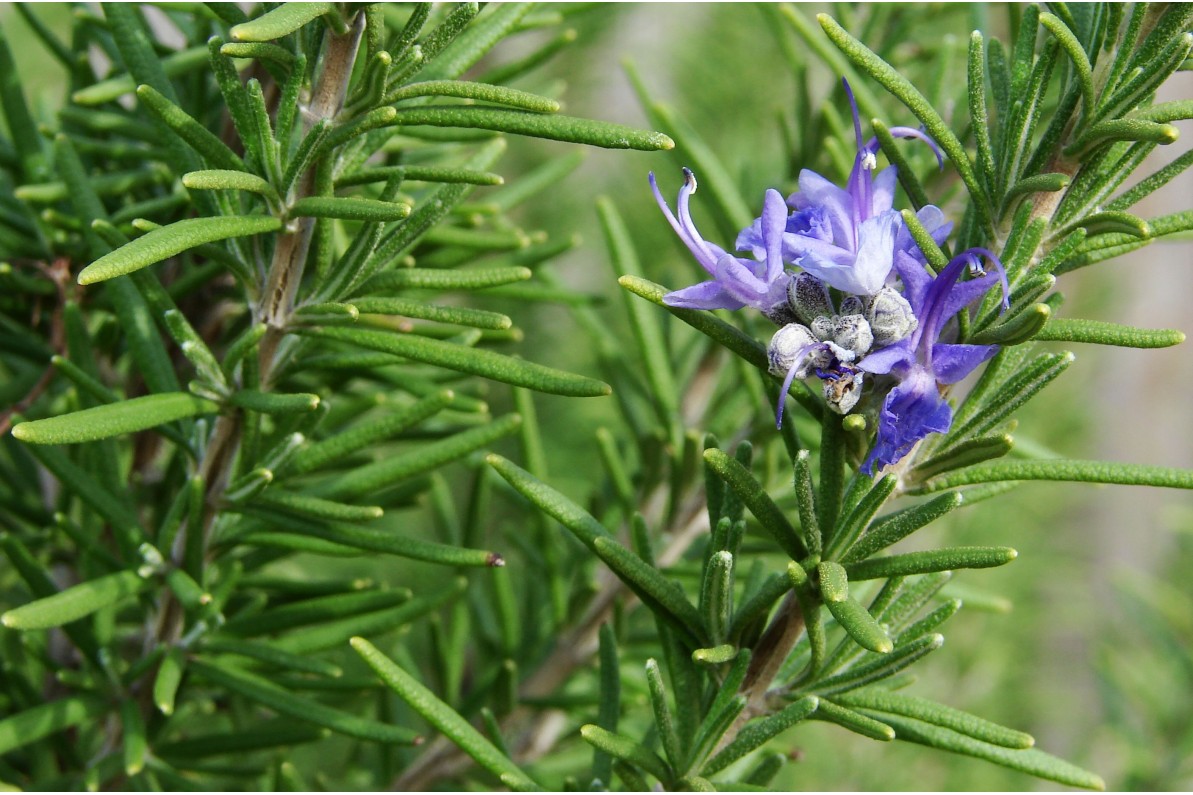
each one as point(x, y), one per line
point(253, 368)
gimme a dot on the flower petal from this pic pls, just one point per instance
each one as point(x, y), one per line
point(773, 222)
point(951, 362)
point(883, 360)
point(875, 253)
point(884, 190)
point(706, 295)
point(911, 411)
point(815, 190)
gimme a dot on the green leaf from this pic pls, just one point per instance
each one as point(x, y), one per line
point(971, 451)
point(650, 584)
point(388, 542)
point(455, 315)
point(311, 507)
point(114, 419)
point(930, 561)
point(1024, 326)
point(626, 749)
point(1030, 761)
point(169, 677)
point(276, 733)
point(480, 92)
point(664, 723)
point(716, 596)
point(198, 137)
point(283, 20)
point(1076, 53)
point(133, 731)
point(319, 610)
point(380, 620)
point(272, 656)
point(1100, 332)
point(222, 179)
point(45, 719)
point(850, 614)
point(1111, 222)
point(428, 279)
point(175, 65)
point(1010, 395)
point(754, 734)
point(938, 715)
point(383, 473)
point(274, 402)
point(1064, 470)
point(751, 492)
point(851, 525)
point(74, 602)
point(444, 718)
point(363, 434)
point(470, 360)
point(1037, 183)
point(173, 239)
point(349, 209)
point(555, 128)
point(856, 722)
point(1123, 130)
point(881, 668)
point(286, 703)
point(805, 497)
point(554, 504)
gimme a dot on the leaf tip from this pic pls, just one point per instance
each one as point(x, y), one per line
point(8, 621)
point(22, 434)
point(495, 560)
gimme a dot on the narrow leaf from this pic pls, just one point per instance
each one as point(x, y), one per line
point(43, 720)
point(758, 732)
point(751, 492)
point(1099, 332)
point(1064, 470)
point(444, 718)
point(292, 705)
point(930, 561)
point(471, 360)
point(938, 715)
point(173, 239)
point(74, 602)
point(283, 20)
point(552, 127)
point(1030, 761)
point(114, 419)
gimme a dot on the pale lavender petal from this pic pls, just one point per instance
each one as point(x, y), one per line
point(816, 190)
point(916, 280)
point(883, 191)
point(774, 221)
point(884, 360)
point(750, 239)
point(875, 252)
point(951, 363)
point(706, 295)
point(738, 278)
point(796, 246)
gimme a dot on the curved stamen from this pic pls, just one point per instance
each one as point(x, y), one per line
point(911, 132)
point(799, 357)
point(861, 178)
point(685, 215)
point(699, 249)
point(1002, 272)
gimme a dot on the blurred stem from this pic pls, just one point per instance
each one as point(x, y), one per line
point(769, 655)
point(278, 299)
point(293, 245)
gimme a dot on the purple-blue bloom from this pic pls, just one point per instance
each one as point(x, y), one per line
point(914, 407)
point(848, 237)
point(736, 282)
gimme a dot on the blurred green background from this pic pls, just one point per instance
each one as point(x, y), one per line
point(1095, 655)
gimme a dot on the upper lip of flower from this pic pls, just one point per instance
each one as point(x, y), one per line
point(736, 281)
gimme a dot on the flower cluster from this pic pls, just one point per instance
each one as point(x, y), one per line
point(863, 313)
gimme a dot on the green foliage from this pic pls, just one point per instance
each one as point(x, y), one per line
point(256, 339)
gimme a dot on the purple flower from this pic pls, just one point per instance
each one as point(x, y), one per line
point(736, 282)
point(848, 237)
point(914, 407)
